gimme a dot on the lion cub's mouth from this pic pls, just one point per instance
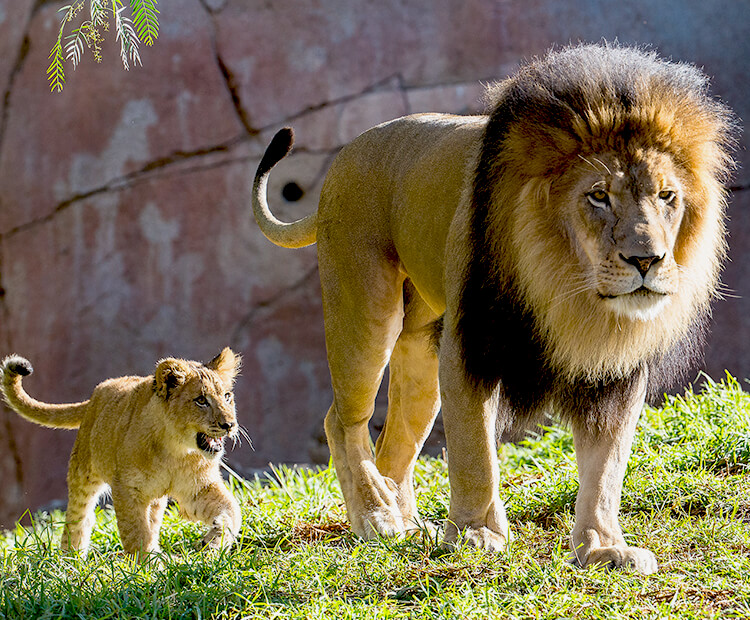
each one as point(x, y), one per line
point(211, 445)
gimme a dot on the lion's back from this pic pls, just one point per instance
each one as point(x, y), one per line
point(115, 407)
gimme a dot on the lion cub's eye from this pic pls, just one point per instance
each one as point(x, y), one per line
point(228, 396)
point(598, 198)
point(667, 195)
point(201, 401)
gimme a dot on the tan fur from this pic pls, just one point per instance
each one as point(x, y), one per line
point(398, 236)
point(139, 436)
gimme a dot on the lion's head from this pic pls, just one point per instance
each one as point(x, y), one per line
point(199, 400)
point(604, 167)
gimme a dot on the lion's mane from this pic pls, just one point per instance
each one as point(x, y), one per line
point(521, 324)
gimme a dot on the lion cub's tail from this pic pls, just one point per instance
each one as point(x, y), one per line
point(288, 235)
point(54, 416)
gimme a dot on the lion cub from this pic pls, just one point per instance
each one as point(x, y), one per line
point(148, 438)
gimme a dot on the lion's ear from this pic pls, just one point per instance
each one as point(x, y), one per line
point(226, 364)
point(170, 373)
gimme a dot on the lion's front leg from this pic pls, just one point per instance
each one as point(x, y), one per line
point(139, 533)
point(215, 506)
point(602, 458)
point(469, 414)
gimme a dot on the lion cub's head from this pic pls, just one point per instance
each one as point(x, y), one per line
point(200, 399)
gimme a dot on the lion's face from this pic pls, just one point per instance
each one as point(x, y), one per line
point(204, 407)
point(624, 220)
point(616, 254)
point(200, 401)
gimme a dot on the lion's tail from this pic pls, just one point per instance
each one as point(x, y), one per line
point(54, 416)
point(288, 235)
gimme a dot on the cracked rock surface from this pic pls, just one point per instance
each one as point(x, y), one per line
point(125, 226)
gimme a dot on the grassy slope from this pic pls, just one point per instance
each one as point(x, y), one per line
point(687, 498)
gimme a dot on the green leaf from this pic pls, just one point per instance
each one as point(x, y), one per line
point(56, 71)
point(145, 20)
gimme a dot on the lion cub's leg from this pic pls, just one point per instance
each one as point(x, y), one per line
point(469, 414)
point(214, 505)
point(136, 519)
point(84, 489)
point(413, 404)
point(602, 458)
point(83, 494)
point(156, 515)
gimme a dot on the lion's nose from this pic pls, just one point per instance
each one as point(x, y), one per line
point(227, 426)
point(641, 263)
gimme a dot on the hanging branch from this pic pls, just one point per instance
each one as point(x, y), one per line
point(143, 27)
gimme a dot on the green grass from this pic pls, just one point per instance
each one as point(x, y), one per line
point(686, 497)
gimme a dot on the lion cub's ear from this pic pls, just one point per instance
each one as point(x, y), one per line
point(170, 373)
point(226, 364)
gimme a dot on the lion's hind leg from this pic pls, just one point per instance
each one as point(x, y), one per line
point(413, 404)
point(84, 489)
point(79, 516)
point(363, 307)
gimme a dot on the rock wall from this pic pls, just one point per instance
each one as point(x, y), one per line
point(125, 228)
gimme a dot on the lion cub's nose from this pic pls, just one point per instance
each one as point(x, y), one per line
point(227, 426)
point(641, 263)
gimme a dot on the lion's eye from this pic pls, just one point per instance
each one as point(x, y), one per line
point(598, 198)
point(201, 401)
point(667, 195)
point(228, 396)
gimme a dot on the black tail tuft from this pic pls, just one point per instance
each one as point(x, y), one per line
point(16, 365)
point(279, 147)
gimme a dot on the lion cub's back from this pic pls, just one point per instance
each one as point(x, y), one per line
point(116, 406)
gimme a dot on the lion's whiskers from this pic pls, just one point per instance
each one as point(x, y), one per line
point(242, 433)
point(721, 291)
point(582, 282)
point(594, 167)
point(599, 161)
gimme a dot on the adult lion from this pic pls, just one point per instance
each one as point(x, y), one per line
point(571, 240)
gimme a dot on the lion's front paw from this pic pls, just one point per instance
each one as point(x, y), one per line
point(479, 537)
point(217, 538)
point(618, 556)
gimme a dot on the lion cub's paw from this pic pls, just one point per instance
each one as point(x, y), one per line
point(216, 539)
point(479, 537)
point(619, 556)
